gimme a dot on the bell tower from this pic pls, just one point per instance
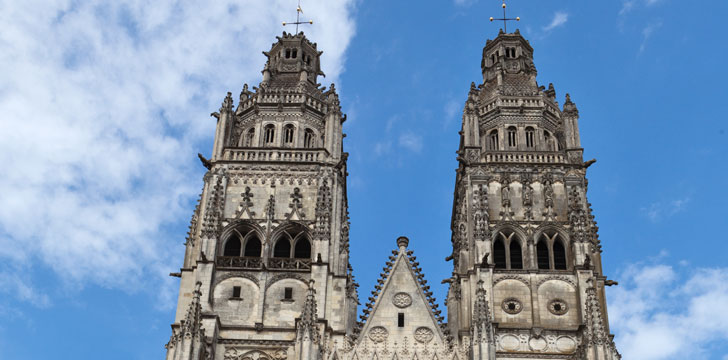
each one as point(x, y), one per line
point(524, 239)
point(266, 272)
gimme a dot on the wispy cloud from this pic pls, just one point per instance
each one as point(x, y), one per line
point(660, 313)
point(102, 115)
point(411, 141)
point(663, 209)
point(647, 32)
point(560, 18)
point(451, 110)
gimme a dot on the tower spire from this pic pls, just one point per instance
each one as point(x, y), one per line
point(504, 18)
point(299, 11)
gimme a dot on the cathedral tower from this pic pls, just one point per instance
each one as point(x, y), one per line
point(523, 235)
point(266, 271)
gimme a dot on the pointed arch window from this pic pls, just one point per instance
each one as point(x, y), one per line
point(559, 255)
point(551, 252)
point(241, 248)
point(249, 135)
point(507, 251)
point(530, 143)
point(232, 246)
point(288, 132)
point(542, 255)
point(302, 249)
point(493, 140)
point(253, 247)
point(309, 139)
point(512, 137)
point(269, 134)
point(282, 249)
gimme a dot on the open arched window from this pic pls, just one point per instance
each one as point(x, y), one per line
point(269, 134)
point(288, 131)
point(249, 135)
point(559, 255)
point(309, 139)
point(302, 250)
point(499, 254)
point(530, 143)
point(549, 141)
point(232, 246)
point(493, 140)
point(512, 138)
point(253, 247)
point(282, 248)
point(542, 254)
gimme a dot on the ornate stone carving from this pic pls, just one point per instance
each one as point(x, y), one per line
point(246, 204)
point(424, 334)
point(296, 206)
point(402, 300)
point(558, 307)
point(512, 306)
point(378, 334)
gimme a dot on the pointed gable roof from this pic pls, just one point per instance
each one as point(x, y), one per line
point(402, 289)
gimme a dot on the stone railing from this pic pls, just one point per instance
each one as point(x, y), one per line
point(536, 157)
point(289, 264)
point(275, 154)
point(240, 262)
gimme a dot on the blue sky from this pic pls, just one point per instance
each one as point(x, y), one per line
point(104, 107)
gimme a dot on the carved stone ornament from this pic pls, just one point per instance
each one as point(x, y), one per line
point(424, 335)
point(558, 307)
point(402, 300)
point(512, 306)
point(378, 334)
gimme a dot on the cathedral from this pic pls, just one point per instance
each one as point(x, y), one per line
point(266, 272)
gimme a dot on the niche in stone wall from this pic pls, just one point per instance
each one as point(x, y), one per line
point(236, 310)
point(280, 310)
point(512, 302)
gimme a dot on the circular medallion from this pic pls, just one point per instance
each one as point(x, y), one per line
point(558, 307)
point(378, 334)
point(402, 300)
point(424, 334)
point(512, 306)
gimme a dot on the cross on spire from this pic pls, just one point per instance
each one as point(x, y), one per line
point(504, 18)
point(299, 11)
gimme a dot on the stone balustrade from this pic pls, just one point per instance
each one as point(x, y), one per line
point(275, 154)
point(535, 157)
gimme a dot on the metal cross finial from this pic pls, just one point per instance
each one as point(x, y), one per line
point(299, 11)
point(505, 29)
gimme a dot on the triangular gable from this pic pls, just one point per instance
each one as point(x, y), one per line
point(402, 294)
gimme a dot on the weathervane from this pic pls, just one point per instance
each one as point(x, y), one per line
point(505, 29)
point(298, 18)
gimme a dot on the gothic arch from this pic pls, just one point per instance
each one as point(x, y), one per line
point(291, 231)
point(283, 276)
point(509, 241)
point(243, 229)
point(558, 234)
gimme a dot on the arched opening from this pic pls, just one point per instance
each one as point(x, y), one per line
point(232, 246)
point(530, 143)
point(248, 142)
point(493, 140)
point(288, 131)
point(270, 134)
point(512, 139)
point(516, 254)
point(309, 139)
point(559, 255)
point(499, 254)
point(542, 254)
point(302, 249)
point(282, 249)
point(253, 247)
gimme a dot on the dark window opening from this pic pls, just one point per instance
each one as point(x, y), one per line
point(493, 140)
point(303, 249)
point(236, 292)
point(270, 133)
point(287, 293)
point(529, 137)
point(516, 256)
point(288, 135)
point(511, 306)
point(542, 254)
point(308, 61)
point(232, 246)
point(512, 141)
point(400, 320)
point(499, 254)
point(282, 248)
point(288, 53)
point(557, 307)
point(309, 139)
point(295, 53)
point(559, 256)
point(253, 247)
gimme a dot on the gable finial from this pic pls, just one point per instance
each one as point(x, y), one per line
point(299, 11)
point(402, 242)
point(505, 19)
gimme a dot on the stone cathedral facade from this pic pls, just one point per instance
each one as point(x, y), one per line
point(266, 273)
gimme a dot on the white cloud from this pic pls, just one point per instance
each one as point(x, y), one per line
point(663, 209)
point(658, 313)
point(451, 110)
point(559, 19)
point(410, 141)
point(647, 32)
point(104, 105)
